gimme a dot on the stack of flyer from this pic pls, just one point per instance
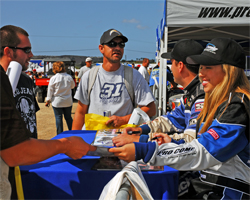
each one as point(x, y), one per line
point(103, 137)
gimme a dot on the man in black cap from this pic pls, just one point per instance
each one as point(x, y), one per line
point(115, 87)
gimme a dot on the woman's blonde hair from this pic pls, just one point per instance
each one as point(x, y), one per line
point(235, 80)
point(58, 67)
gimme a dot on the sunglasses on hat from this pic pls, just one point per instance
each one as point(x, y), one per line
point(24, 49)
point(114, 44)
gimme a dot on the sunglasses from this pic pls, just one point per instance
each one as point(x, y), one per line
point(24, 49)
point(114, 44)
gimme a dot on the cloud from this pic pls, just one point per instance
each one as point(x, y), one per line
point(141, 27)
point(134, 21)
point(131, 21)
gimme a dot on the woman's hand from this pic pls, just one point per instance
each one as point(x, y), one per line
point(162, 138)
point(124, 138)
point(126, 153)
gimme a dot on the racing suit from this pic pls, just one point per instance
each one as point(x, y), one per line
point(182, 122)
point(222, 152)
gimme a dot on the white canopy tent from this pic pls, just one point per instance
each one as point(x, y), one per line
point(200, 20)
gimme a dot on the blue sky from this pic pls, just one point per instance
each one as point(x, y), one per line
point(68, 27)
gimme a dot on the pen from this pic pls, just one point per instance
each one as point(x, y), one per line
point(154, 138)
point(133, 132)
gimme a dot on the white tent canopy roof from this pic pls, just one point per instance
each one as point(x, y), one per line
point(207, 19)
point(182, 13)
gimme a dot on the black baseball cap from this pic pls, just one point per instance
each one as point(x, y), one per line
point(110, 34)
point(220, 51)
point(182, 49)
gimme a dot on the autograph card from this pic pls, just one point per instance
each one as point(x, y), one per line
point(104, 137)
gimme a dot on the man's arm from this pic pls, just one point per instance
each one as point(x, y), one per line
point(150, 109)
point(79, 118)
point(32, 150)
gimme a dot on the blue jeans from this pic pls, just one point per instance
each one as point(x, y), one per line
point(59, 112)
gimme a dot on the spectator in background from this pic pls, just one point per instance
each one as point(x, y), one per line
point(77, 78)
point(30, 74)
point(34, 79)
point(60, 94)
point(35, 73)
point(144, 69)
point(109, 91)
point(155, 73)
point(133, 65)
point(85, 68)
point(137, 67)
point(40, 75)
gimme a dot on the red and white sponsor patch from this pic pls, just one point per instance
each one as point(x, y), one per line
point(198, 106)
point(213, 133)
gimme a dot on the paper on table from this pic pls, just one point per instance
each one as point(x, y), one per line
point(13, 72)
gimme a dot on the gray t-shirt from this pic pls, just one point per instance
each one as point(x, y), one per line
point(83, 70)
point(109, 92)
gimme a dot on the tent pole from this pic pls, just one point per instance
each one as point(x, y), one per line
point(165, 48)
point(160, 80)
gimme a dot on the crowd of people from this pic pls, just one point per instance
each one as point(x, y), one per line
point(208, 132)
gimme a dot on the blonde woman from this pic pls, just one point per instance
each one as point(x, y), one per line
point(221, 151)
point(59, 94)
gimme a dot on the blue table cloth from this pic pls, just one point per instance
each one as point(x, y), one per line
point(61, 177)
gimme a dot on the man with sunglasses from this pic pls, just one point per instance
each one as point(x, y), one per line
point(17, 147)
point(109, 91)
point(24, 95)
